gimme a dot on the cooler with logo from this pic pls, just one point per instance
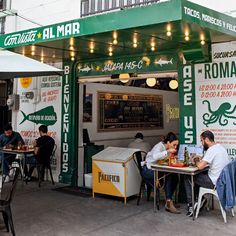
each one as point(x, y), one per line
point(115, 172)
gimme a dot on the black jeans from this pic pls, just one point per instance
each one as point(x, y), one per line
point(200, 180)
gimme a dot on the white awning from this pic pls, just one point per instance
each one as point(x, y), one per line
point(13, 65)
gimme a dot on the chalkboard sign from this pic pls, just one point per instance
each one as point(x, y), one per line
point(126, 111)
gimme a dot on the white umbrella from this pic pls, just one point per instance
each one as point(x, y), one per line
point(13, 65)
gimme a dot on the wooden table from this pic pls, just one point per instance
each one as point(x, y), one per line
point(177, 170)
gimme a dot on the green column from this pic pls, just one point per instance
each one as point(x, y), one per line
point(69, 126)
point(187, 104)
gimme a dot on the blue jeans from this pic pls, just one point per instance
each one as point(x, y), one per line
point(6, 162)
point(171, 181)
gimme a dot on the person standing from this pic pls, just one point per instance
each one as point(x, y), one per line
point(216, 157)
point(9, 138)
point(139, 143)
point(162, 151)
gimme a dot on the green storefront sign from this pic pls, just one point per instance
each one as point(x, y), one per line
point(136, 64)
point(206, 17)
point(69, 124)
point(129, 18)
point(187, 105)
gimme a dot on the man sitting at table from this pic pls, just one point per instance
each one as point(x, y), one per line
point(216, 158)
point(139, 143)
point(43, 150)
point(9, 138)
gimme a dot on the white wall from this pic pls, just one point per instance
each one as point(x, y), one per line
point(122, 138)
point(42, 12)
point(47, 93)
point(226, 6)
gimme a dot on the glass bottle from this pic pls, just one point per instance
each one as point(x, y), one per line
point(186, 156)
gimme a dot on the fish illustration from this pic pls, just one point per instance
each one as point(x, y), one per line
point(164, 62)
point(85, 69)
point(45, 116)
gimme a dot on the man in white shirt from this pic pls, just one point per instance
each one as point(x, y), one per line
point(216, 158)
point(139, 143)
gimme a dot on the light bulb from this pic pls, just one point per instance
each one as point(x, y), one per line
point(186, 38)
point(115, 41)
point(202, 42)
point(168, 33)
point(151, 82)
point(110, 54)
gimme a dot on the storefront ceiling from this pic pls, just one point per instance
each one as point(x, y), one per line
point(147, 24)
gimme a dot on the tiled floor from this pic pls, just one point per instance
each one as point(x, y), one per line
point(41, 211)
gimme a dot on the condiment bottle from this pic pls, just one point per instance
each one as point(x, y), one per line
point(186, 157)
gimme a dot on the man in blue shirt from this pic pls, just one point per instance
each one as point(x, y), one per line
point(9, 138)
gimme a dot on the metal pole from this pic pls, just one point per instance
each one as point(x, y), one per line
point(192, 185)
point(155, 192)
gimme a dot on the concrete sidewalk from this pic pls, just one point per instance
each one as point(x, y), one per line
point(41, 211)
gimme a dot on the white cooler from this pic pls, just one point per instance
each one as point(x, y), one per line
point(115, 172)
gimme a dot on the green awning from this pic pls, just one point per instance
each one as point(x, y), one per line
point(148, 24)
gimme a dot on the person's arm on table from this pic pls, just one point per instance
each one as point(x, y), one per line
point(200, 163)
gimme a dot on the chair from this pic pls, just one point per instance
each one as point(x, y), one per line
point(41, 168)
point(140, 157)
point(7, 193)
point(222, 189)
point(204, 191)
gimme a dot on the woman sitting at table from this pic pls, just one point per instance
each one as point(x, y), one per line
point(162, 151)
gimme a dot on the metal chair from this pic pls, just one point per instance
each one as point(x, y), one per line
point(7, 193)
point(139, 157)
point(42, 166)
point(228, 189)
point(204, 191)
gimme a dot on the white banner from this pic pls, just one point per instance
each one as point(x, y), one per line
point(216, 99)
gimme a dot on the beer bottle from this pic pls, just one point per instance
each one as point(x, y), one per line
point(186, 157)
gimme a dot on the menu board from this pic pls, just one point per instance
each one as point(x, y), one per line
point(126, 111)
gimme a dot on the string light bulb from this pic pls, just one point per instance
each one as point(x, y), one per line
point(110, 51)
point(115, 42)
point(186, 36)
point(71, 41)
point(135, 41)
point(32, 50)
point(153, 46)
point(91, 47)
point(71, 48)
point(202, 38)
point(168, 30)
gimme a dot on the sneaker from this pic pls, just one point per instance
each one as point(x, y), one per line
point(6, 179)
point(11, 172)
point(190, 210)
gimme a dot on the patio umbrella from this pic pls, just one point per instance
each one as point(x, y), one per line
point(13, 65)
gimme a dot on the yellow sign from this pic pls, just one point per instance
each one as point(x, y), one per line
point(26, 82)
